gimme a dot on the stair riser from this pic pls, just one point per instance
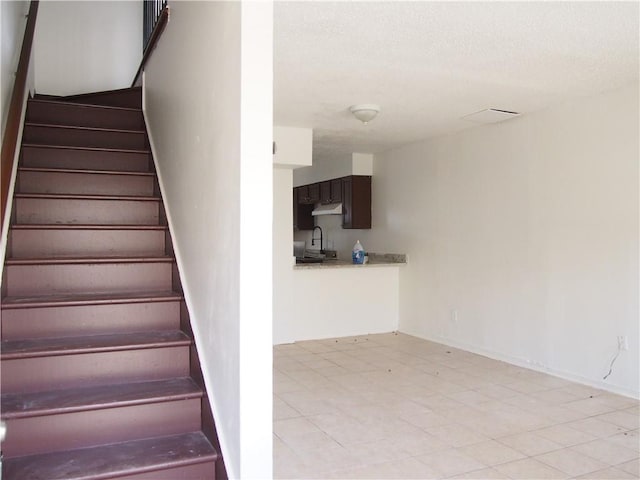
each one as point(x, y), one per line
point(91, 369)
point(129, 98)
point(84, 183)
point(45, 135)
point(200, 471)
point(27, 436)
point(20, 324)
point(47, 242)
point(83, 116)
point(84, 159)
point(24, 280)
point(92, 212)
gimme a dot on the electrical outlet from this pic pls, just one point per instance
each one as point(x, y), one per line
point(454, 316)
point(623, 342)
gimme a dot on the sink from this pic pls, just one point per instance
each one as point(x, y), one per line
point(309, 260)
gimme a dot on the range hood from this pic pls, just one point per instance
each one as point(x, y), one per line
point(329, 209)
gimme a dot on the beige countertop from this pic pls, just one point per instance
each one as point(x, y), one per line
point(375, 260)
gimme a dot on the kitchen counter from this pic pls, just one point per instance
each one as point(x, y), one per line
point(375, 260)
point(337, 298)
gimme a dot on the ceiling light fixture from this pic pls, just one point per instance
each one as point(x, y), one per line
point(365, 112)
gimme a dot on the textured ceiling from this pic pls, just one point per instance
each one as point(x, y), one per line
point(429, 63)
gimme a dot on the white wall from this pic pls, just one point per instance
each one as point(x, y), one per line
point(87, 46)
point(340, 302)
point(294, 146)
point(323, 169)
point(527, 232)
point(13, 21)
point(212, 145)
point(283, 259)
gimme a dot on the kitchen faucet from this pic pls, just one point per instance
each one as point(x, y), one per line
point(313, 238)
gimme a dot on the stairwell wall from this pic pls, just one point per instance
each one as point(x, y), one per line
point(208, 107)
point(85, 46)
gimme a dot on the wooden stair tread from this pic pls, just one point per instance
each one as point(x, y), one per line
point(81, 196)
point(57, 101)
point(44, 347)
point(88, 226)
point(68, 300)
point(91, 149)
point(92, 129)
point(109, 461)
point(21, 405)
point(66, 260)
point(80, 171)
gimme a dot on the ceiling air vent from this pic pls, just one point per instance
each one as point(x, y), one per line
point(490, 115)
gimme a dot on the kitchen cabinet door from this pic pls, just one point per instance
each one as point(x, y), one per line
point(309, 194)
point(356, 202)
point(314, 193)
point(302, 218)
point(331, 191)
point(336, 190)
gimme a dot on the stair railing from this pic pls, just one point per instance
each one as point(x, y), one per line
point(12, 129)
point(155, 17)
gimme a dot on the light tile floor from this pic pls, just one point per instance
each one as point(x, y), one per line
point(395, 406)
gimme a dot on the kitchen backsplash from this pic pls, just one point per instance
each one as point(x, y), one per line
point(334, 236)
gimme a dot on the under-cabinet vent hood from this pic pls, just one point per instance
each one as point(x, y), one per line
point(329, 209)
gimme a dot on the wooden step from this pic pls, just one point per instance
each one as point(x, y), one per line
point(123, 97)
point(39, 208)
point(53, 240)
point(23, 323)
point(87, 299)
point(91, 398)
point(59, 275)
point(155, 313)
point(66, 135)
point(35, 365)
point(41, 422)
point(95, 182)
point(49, 347)
point(85, 115)
point(188, 456)
point(49, 156)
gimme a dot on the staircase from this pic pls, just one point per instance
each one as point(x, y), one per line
point(100, 376)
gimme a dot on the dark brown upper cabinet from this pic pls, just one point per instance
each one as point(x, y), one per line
point(331, 191)
point(309, 194)
point(302, 218)
point(354, 192)
point(356, 202)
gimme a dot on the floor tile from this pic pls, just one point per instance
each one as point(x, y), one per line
point(530, 444)
point(628, 439)
point(608, 474)
point(632, 467)
point(451, 462)
point(622, 419)
point(564, 435)
point(492, 453)
point(484, 474)
point(606, 451)
point(595, 427)
point(293, 426)
point(590, 406)
point(282, 410)
point(571, 462)
point(456, 435)
point(529, 469)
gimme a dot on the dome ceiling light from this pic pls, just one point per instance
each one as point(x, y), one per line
point(365, 112)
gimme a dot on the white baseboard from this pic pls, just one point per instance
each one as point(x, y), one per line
point(520, 362)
